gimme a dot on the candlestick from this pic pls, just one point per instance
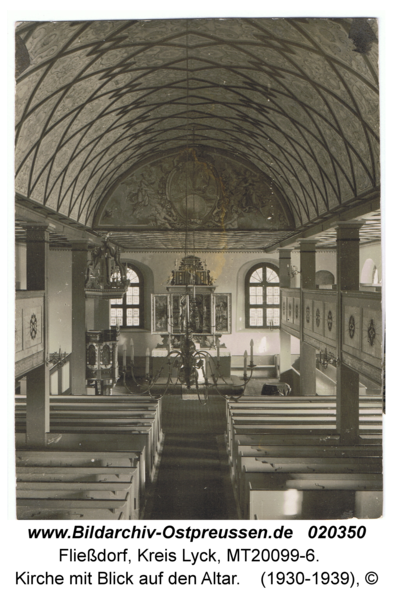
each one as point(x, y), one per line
point(206, 371)
point(245, 364)
point(252, 352)
point(218, 348)
point(124, 355)
point(132, 349)
point(147, 361)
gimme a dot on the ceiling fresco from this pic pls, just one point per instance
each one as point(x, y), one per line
point(195, 189)
point(103, 109)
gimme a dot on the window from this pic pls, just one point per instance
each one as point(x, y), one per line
point(263, 296)
point(128, 311)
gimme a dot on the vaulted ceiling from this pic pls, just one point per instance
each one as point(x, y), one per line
point(294, 101)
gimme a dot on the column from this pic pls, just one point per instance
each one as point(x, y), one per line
point(101, 313)
point(285, 351)
point(307, 352)
point(285, 282)
point(78, 356)
point(307, 370)
point(348, 240)
point(37, 380)
point(307, 264)
point(285, 267)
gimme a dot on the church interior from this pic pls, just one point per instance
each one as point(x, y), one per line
point(198, 269)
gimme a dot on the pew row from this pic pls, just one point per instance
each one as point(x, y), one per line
point(285, 449)
point(58, 474)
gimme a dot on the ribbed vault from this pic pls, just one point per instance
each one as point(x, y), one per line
point(295, 98)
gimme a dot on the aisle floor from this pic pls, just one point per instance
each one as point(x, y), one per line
point(193, 478)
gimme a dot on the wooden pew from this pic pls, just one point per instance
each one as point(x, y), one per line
point(81, 462)
point(78, 491)
point(304, 468)
point(87, 451)
point(78, 413)
point(330, 496)
point(303, 417)
point(59, 509)
point(271, 446)
point(81, 482)
point(276, 440)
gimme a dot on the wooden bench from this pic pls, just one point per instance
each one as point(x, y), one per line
point(274, 446)
point(303, 496)
point(59, 509)
point(251, 418)
point(78, 413)
point(81, 462)
point(274, 468)
point(78, 490)
point(290, 446)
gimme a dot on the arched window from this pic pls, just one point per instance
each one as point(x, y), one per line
point(263, 296)
point(128, 311)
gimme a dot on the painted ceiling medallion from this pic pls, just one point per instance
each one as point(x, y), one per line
point(351, 326)
point(33, 326)
point(330, 320)
point(371, 333)
point(193, 190)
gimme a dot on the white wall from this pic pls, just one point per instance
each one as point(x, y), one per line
point(373, 252)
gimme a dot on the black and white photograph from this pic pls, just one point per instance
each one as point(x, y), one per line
point(199, 326)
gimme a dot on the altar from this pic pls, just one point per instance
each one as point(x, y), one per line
point(191, 319)
point(159, 358)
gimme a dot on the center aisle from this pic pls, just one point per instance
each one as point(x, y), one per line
point(193, 478)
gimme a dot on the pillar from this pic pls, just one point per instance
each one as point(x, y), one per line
point(37, 405)
point(307, 370)
point(78, 356)
point(285, 282)
point(37, 380)
point(285, 351)
point(348, 240)
point(285, 267)
point(307, 352)
point(101, 313)
point(97, 314)
point(307, 264)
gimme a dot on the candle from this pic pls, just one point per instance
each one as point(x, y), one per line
point(251, 352)
point(218, 348)
point(245, 364)
point(147, 361)
point(124, 355)
point(206, 371)
point(132, 349)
